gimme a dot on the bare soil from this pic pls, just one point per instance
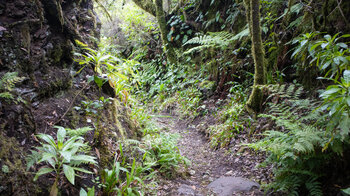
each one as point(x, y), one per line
point(208, 164)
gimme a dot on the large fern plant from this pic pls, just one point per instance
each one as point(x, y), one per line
point(295, 143)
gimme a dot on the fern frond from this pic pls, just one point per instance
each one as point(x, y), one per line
point(314, 187)
point(6, 95)
point(8, 81)
point(219, 40)
point(82, 159)
point(295, 140)
point(77, 132)
point(131, 142)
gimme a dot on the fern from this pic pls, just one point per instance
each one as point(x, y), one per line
point(7, 83)
point(221, 40)
point(294, 143)
point(77, 132)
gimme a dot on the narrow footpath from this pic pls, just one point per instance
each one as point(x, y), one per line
point(222, 172)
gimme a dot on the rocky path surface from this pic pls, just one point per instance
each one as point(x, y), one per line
point(212, 172)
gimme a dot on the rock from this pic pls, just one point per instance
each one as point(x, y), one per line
point(185, 190)
point(229, 173)
point(192, 172)
point(227, 186)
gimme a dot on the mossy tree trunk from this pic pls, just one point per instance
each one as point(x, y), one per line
point(146, 5)
point(255, 100)
point(155, 8)
point(170, 53)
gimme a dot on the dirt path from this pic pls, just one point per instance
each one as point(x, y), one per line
point(207, 164)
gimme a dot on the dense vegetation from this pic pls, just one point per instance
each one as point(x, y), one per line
point(277, 71)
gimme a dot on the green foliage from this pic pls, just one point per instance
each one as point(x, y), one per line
point(330, 55)
point(92, 107)
point(156, 151)
point(237, 92)
point(132, 33)
point(108, 68)
point(61, 155)
point(142, 118)
point(162, 150)
point(91, 192)
point(7, 83)
point(190, 100)
point(155, 81)
point(221, 40)
point(112, 180)
point(77, 132)
point(230, 117)
point(336, 100)
point(179, 30)
point(295, 144)
point(222, 134)
point(346, 191)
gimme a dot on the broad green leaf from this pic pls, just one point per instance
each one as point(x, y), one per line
point(105, 57)
point(325, 65)
point(69, 173)
point(169, 36)
point(348, 101)
point(345, 126)
point(48, 139)
point(343, 45)
point(333, 110)
point(315, 46)
point(328, 37)
point(99, 81)
point(83, 192)
point(324, 45)
point(346, 76)
point(91, 191)
point(82, 170)
point(326, 93)
point(90, 79)
point(66, 155)
point(42, 171)
point(70, 142)
point(61, 134)
point(346, 191)
point(346, 35)
point(184, 40)
point(46, 156)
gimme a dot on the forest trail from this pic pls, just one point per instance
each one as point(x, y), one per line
point(207, 164)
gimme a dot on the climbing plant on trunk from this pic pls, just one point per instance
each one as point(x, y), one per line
point(253, 18)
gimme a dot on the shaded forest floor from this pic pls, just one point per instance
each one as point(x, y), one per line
point(208, 164)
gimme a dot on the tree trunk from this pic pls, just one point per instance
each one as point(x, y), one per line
point(253, 16)
point(146, 5)
point(170, 53)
